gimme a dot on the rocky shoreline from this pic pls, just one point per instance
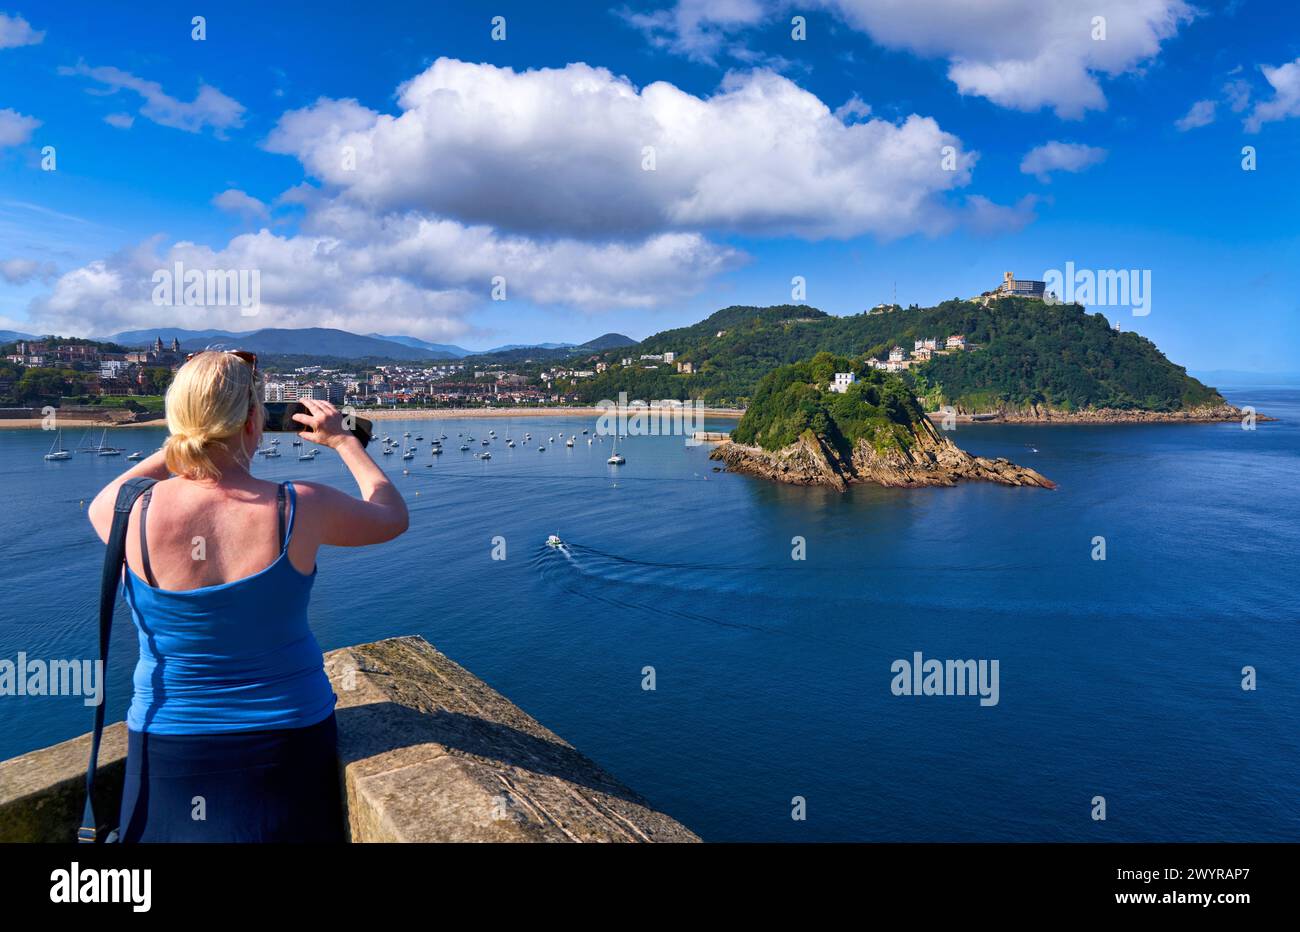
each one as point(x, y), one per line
point(1042, 414)
point(930, 460)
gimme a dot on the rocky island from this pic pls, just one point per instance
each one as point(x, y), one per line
point(830, 421)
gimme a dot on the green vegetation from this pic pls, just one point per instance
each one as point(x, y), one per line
point(793, 399)
point(1024, 352)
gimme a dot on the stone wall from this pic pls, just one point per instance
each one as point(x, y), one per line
point(427, 752)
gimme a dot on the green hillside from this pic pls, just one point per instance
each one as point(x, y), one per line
point(1025, 352)
point(789, 400)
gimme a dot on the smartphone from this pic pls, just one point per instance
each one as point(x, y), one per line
point(279, 420)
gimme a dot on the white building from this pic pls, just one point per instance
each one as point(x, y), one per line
point(842, 382)
point(896, 354)
point(669, 357)
point(956, 341)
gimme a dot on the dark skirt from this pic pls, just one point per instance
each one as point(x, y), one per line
point(252, 786)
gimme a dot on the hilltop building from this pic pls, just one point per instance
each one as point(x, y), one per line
point(1021, 288)
point(842, 382)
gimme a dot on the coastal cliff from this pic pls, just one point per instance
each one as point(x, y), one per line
point(870, 428)
point(1047, 414)
point(932, 460)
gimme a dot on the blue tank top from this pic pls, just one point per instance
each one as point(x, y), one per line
point(239, 656)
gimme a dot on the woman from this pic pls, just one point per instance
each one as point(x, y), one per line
point(231, 731)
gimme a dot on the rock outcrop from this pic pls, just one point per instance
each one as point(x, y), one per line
point(1045, 414)
point(930, 459)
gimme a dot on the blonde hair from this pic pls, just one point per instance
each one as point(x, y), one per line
point(209, 401)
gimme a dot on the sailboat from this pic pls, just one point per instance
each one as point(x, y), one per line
point(105, 450)
point(616, 458)
point(569, 442)
point(56, 449)
point(136, 456)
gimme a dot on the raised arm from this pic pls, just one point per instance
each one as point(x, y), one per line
point(100, 511)
point(340, 519)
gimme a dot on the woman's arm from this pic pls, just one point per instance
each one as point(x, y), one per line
point(100, 511)
point(341, 520)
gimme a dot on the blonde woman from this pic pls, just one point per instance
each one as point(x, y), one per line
point(231, 704)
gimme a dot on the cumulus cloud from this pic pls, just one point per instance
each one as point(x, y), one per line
point(1285, 102)
point(1020, 54)
point(1201, 114)
point(16, 31)
point(22, 271)
point(564, 151)
point(537, 177)
point(239, 202)
point(15, 128)
point(209, 108)
point(1041, 161)
point(120, 120)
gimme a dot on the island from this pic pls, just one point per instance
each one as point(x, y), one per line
point(832, 421)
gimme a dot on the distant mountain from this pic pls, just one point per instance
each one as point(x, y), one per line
point(9, 336)
point(607, 341)
point(451, 349)
point(510, 347)
point(272, 341)
point(144, 337)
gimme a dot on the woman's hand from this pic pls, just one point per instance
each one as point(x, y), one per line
point(324, 424)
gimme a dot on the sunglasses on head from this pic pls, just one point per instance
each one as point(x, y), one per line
point(245, 355)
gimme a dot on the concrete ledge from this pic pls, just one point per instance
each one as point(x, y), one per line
point(42, 793)
point(427, 752)
point(432, 753)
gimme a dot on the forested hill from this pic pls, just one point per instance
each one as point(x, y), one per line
point(1024, 352)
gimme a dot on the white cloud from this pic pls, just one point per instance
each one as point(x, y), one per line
point(16, 31)
point(209, 108)
point(560, 152)
point(120, 120)
point(22, 271)
point(1021, 54)
point(537, 177)
point(1041, 161)
point(242, 203)
point(853, 108)
point(1285, 103)
point(1201, 114)
point(15, 128)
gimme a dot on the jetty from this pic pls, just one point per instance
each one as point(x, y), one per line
point(428, 752)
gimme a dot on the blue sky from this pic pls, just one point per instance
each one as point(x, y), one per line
point(775, 158)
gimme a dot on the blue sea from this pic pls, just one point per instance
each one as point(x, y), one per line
point(1119, 678)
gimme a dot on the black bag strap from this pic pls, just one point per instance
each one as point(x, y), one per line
point(114, 557)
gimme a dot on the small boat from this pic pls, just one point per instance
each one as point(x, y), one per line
point(486, 442)
point(510, 443)
point(272, 453)
point(584, 430)
point(464, 447)
point(275, 441)
point(420, 437)
point(436, 451)
point(554, 541)
point(56, 449)
point(297, 443)
point(109, 451)
point(309, 455)
point(388, 451)
point(406, 434)
point(588, 441)
point(443, 437)
point(487, 455)
point(136, 456)
point(408, 455)
point(616, 458)
point(551, 440)
point(541, 449)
